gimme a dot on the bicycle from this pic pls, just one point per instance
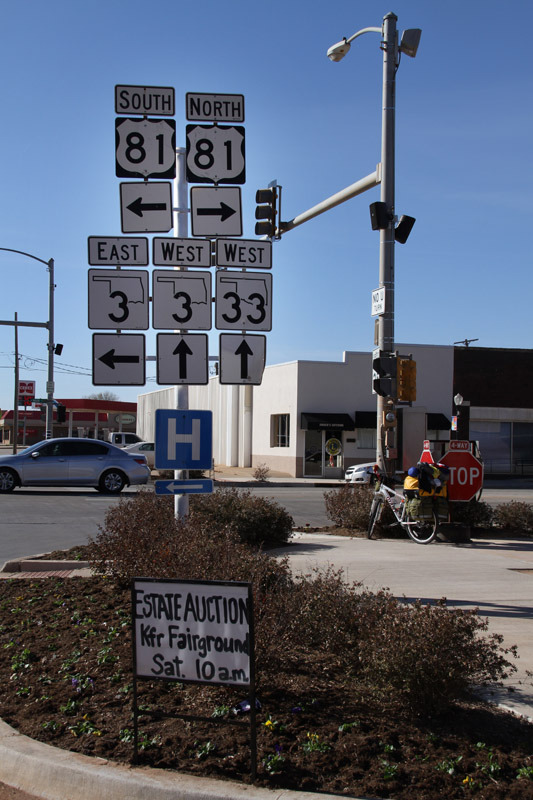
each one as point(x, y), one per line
point(421, 531)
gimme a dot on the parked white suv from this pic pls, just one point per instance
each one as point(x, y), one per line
point(123, 439)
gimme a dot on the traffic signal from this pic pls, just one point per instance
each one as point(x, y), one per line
point(384, 374)
point(267, 210)
point(61, 413)
point(406, 380)
point(389, 417)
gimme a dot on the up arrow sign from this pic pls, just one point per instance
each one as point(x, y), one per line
point(242, 358)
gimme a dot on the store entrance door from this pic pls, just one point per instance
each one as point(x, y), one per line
point(323, 454)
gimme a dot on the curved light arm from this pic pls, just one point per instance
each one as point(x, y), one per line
point(363, 30)
point(22, 253)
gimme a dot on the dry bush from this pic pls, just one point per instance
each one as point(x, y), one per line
point(349, 506)
point(256, 520)
point(515, 516)
point(477, 514)
point(423, 657)
point(426, 656)
point(261, 472)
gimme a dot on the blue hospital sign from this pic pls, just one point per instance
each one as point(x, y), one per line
point(183, 439)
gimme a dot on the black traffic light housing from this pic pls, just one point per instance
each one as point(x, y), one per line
point(266, 211)
point(61, 412)
point(404, 228)
point(384, 374)
point(379, 216)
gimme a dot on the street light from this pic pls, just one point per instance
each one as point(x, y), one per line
point(51, 347)
point(391, 50)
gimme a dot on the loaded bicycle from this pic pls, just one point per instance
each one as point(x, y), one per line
point(419, 517)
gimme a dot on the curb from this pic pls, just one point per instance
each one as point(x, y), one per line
point(54, 774)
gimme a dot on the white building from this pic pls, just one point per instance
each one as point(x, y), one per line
point(315, 418)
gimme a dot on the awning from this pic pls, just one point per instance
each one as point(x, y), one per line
point(318, 422)
point(438, 422)
point(366, 419)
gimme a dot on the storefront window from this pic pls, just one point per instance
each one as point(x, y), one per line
point(494, 443)
point(280, 430)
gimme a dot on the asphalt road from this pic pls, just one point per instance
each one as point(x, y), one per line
point(39, 520)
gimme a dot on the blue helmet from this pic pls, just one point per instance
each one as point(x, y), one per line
point(413, 472)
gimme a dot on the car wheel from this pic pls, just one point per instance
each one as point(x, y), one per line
point(8, 480)
point(112, 482)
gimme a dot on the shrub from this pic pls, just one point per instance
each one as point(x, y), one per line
point(256, 520)
point(477, 514)
point(423, 657)
point(261, 472)
point(426, 656)
point(515, 515)
point(349, 506)
point(141, 537)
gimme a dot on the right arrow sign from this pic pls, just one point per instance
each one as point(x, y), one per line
point(216, 211)
point(242, 358)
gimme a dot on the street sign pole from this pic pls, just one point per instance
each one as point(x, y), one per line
point(181, 229)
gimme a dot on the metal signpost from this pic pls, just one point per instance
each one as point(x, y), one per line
point(119, 296)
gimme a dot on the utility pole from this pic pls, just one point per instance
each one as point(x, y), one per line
point(385, 322)
point(16, 396)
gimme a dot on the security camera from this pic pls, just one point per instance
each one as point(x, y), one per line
point(337, 51)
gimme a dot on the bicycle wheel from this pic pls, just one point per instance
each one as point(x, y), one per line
point(375, 514)
point(423, 531)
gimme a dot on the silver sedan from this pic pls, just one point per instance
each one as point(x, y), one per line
point(73, 462)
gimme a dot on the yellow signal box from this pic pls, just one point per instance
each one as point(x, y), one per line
point(406, 380)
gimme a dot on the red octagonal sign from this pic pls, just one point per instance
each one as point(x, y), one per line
point(466, 475)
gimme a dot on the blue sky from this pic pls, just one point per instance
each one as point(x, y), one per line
point(463, 163)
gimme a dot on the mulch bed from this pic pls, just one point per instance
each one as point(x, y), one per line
point(66, 679)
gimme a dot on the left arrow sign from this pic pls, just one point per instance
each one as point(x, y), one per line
point(146, 207)
point(110, 359)
point(119, 359)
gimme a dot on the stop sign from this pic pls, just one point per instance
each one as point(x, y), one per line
point(466, 475)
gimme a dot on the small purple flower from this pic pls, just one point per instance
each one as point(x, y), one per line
point(278, 748)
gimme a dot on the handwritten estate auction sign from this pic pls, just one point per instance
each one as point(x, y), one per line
point(192, 631)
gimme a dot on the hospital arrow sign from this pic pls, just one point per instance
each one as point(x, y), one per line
point(202, 486)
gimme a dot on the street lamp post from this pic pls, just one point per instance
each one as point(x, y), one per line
point(51, 347)
point(391, 50)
